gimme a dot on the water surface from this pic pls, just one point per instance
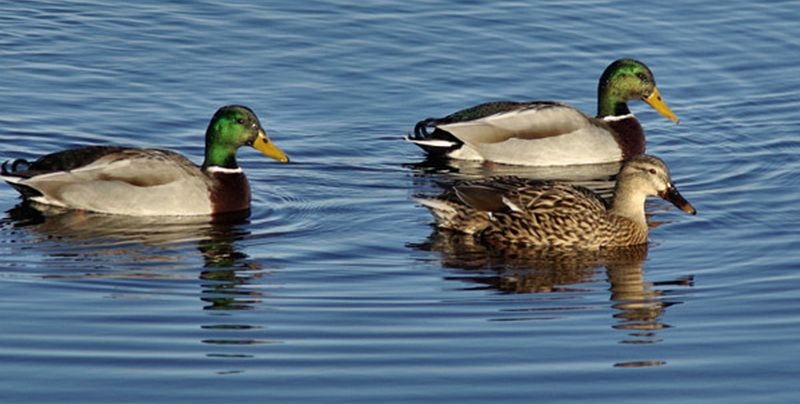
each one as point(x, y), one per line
point(337, 288)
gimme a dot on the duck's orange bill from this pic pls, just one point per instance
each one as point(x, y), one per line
point(264, 145)
point(655, 101)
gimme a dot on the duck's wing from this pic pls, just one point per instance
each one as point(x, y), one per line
point(541, 213)
point(531, 120)
point(430, 135)
point(112, 180)
point(537, 133)
point(491, 194)
point(140, 167)
point(526, 196)
point(558, 199)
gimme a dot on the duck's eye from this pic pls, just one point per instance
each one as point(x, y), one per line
point(652, 171)
point(240, 121)
point(642, 77)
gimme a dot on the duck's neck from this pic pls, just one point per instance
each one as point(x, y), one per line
point(218, 156)
point(610, 102)
point(629, 205)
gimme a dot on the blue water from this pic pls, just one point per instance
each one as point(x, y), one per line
point(337, 289)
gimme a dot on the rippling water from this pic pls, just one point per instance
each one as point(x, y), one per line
point(337, 288)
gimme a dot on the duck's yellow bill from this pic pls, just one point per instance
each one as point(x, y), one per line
point(264, 145)
point(655, 101)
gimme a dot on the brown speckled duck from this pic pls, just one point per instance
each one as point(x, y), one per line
point(548, 133)
point(149, 182)
point(515, 211)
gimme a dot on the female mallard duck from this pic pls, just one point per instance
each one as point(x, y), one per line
point(149, 182)
point(515, 211)
point(544, 133)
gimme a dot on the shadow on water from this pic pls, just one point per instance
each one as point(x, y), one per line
point(638, 305)
point(463, 169)
point(79, 246)
point(598, 177)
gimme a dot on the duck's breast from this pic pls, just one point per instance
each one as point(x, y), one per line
point(230, 191)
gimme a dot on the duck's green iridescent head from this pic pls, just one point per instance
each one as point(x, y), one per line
point(234, 126)
point(628, 79)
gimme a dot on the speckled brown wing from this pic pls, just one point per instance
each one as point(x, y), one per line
point(500, 194)
point(546, 213)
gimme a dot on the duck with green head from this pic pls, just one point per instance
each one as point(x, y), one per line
point(149, 182)
point(550, 133)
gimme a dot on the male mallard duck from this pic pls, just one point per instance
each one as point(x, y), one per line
point(514, 211)
point(149, 182)
point(543, 133)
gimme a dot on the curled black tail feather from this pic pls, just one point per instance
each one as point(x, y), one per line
point(421, 129)
point(14, 166)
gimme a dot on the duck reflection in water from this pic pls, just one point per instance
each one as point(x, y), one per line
point(89, 245)
point(638, 305)
point(227, 273)
point(116, 246)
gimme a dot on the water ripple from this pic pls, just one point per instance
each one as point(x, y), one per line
point(337, 287)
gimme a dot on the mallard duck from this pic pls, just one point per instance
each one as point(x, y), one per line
point(545, 133)
point(149, 182)
point(514, 211)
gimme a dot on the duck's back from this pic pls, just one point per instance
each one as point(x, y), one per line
point(115, 180)
point(549, 213)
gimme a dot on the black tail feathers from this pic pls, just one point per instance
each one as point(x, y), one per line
point(421, 129)
point(15, 166)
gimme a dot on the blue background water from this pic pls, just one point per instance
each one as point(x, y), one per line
point(337, 288)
